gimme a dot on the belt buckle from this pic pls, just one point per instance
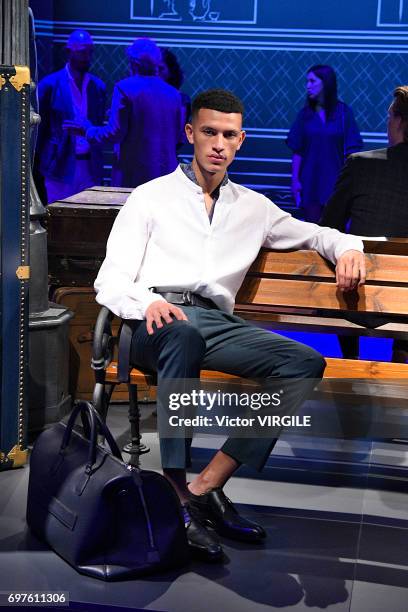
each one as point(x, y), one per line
point(187, 298)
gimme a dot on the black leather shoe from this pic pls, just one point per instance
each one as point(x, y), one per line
point(216, 510)
point(203, 544)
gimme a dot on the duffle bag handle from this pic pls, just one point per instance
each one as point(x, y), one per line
point(96, 423)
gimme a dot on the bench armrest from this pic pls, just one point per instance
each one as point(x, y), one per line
point(103, 341)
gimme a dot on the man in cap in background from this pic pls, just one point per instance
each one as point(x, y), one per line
point(145, 120)
point(67, 161)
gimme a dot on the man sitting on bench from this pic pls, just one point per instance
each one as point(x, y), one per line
point(192, 235)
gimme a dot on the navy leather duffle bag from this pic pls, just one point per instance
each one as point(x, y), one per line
point(107, 519)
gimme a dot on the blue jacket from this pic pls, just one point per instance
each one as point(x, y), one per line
point(146, 124)
point(55, 146)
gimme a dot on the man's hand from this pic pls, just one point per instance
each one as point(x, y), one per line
point(350, 270)
point(159, 310)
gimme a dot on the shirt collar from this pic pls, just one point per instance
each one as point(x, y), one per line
point(189, 172)
point(85, 80)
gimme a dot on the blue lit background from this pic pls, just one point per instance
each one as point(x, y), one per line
point(260, 49)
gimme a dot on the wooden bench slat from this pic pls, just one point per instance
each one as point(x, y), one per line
point(336, 368)
point(380, 267)
point(292, 263)
point(356, 368)
point(306, 294)
point(314, 323)
point(138, 377)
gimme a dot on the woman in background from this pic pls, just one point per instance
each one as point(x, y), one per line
point(322, 136)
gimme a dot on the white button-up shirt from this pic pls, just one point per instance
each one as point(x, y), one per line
point(80, 107)
point(162, 237)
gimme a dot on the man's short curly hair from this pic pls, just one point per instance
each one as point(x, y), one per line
point(220, 100)
point(400, 107)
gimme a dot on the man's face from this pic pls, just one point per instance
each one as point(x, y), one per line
point(80, 57)
point(394, 127)
point(216, 137)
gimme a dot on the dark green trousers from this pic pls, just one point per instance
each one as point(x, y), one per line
point(214, 340)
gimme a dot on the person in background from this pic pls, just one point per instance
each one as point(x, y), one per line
point(145, 121)
point(322, 136)
point(371, 197)
point(68, 162)
point(171, 72)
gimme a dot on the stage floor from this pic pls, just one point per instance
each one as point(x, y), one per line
point(336, 513)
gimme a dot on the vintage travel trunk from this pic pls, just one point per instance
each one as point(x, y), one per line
point(14, 262)
point(78, 229)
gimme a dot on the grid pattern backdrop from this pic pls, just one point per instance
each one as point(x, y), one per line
point(260, 50)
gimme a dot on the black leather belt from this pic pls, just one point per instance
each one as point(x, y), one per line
point(82, 156)
point(186, 298)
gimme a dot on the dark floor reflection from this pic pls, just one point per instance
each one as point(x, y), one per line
point(347, 550)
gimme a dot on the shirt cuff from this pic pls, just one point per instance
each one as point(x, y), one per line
point(153, 297)
point(349, 243)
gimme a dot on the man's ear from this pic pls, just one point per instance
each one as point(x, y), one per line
point(241, 139)
point(189, 133)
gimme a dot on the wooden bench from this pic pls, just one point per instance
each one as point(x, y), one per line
point(295, 290)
